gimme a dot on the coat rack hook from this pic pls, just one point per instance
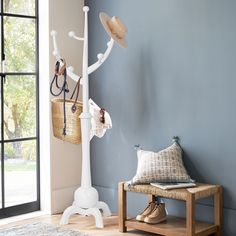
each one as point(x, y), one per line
point(73, 35)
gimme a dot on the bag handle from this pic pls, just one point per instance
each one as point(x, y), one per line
point(77, 87)
point(61, 71)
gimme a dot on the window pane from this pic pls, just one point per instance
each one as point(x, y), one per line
point(22, 7)
point(20, 172)
point(20, 47)
point(19, 107)
point(0, 180)
point(0, 45)
point(0, 118)
point(0, 78)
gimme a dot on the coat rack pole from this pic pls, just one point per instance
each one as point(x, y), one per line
point(85, 116)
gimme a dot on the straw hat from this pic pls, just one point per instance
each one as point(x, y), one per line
point(115, 28)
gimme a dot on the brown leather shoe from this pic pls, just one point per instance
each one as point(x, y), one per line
point(158, 214)
point(147, 211)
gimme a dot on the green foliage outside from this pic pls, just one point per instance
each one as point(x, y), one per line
point(24, 7)
point(28, 166)
point(20, 91)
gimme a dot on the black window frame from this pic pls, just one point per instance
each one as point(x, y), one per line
point(31, 206)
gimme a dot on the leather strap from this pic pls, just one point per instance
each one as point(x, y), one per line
point(77, 87)
point(60, 71)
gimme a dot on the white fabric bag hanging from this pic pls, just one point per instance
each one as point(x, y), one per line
point(97, 127)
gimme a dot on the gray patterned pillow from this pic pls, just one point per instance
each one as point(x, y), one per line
point(164, 166)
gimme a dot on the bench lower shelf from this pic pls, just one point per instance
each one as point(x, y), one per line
point(173, 224)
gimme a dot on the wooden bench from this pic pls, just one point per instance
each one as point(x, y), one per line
point(174, 226)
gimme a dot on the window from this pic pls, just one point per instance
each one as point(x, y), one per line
point(19, 107)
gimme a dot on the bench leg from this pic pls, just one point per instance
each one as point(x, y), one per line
point(218, 210)
point(190, 215)
point(122, 208)
point(151, 198)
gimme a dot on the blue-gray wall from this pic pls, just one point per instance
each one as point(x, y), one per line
point(178, 77)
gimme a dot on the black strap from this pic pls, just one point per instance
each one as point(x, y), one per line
point(77, 87)
point(64, 102)
point(63, 89)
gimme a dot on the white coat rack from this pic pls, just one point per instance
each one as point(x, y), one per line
point(86, 197)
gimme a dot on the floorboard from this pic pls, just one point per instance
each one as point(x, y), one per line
point(82, 224)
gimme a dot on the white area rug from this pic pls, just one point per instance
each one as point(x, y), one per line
point(39, 229)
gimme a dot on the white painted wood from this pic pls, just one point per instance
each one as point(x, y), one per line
point(94, 211)
point(67, 194)
point(85, 197)
point(105, 209)
point(101, 57)
point(56, 53)
point(72, 35)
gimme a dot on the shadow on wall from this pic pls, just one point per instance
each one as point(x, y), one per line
point(140, 92)
point(195, 172)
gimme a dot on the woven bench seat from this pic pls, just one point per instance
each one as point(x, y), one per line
point(200, 191)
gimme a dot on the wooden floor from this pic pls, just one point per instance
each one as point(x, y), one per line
point(82, 224)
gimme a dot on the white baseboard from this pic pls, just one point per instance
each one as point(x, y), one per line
point(62, 198)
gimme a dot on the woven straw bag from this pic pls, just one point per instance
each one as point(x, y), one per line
point(65, 112)
point(73, 127)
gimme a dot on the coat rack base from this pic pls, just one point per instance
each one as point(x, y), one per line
point(94, 211)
